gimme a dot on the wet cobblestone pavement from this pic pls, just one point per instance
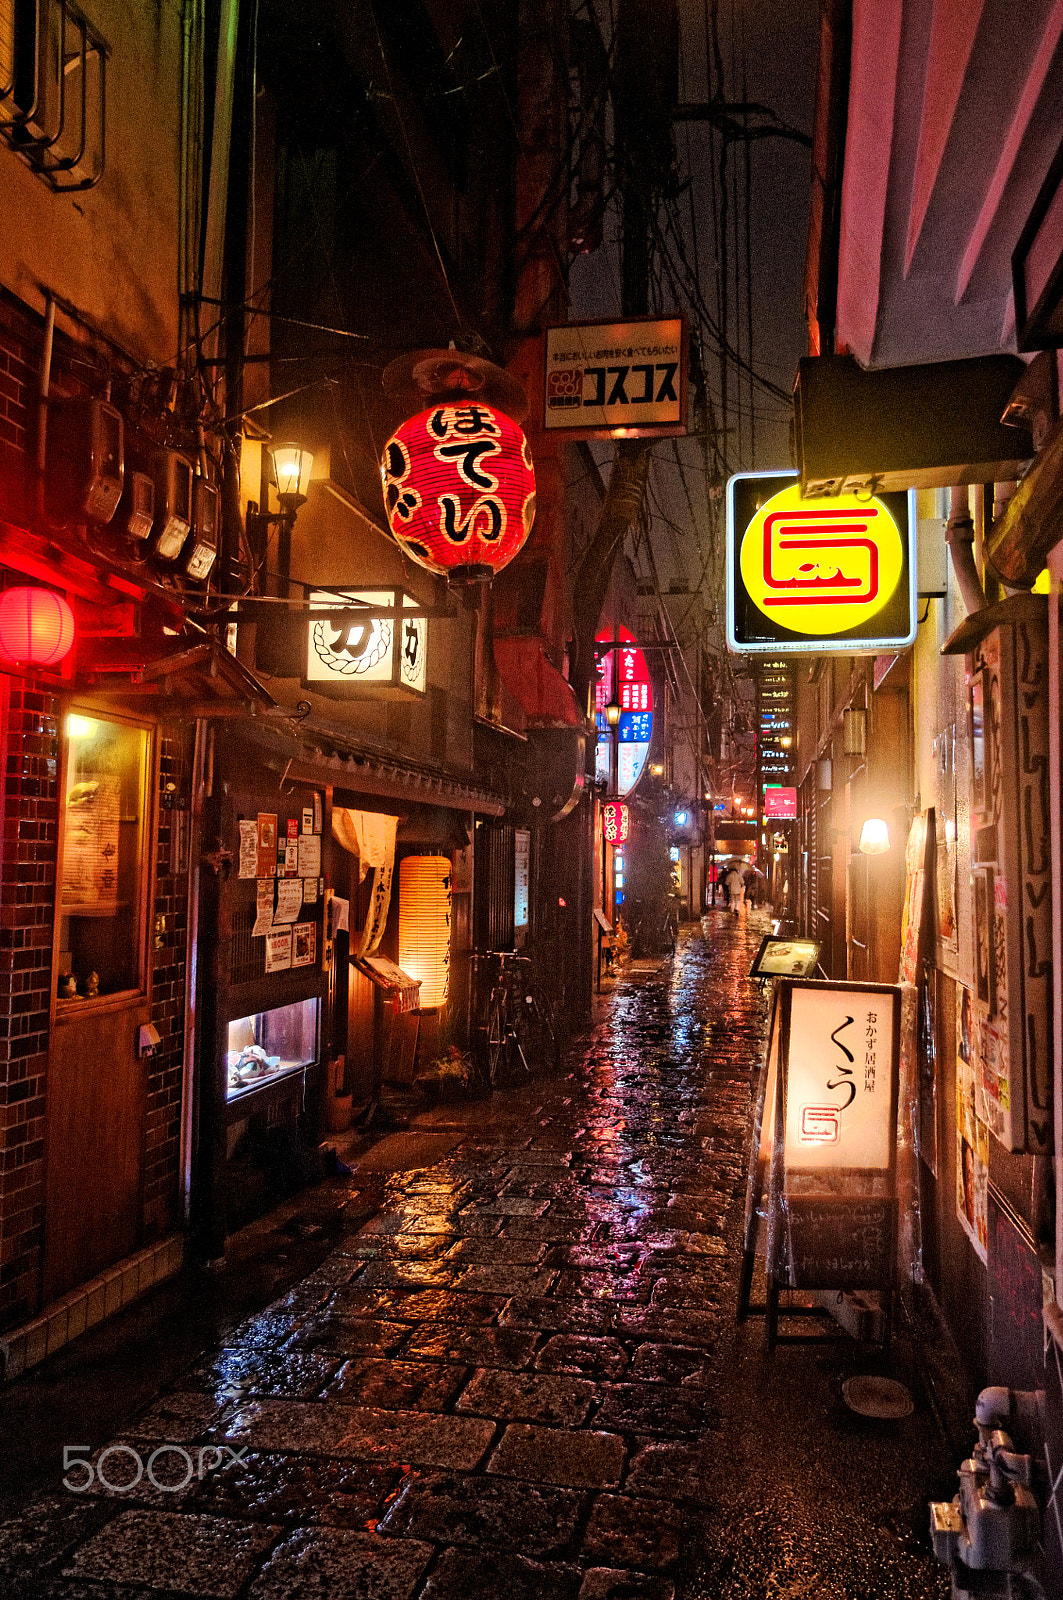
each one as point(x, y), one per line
point(521, 1376)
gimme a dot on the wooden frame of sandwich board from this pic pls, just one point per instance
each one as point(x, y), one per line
point(823, 1156)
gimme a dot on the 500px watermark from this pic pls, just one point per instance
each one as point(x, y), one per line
point(209, 1458)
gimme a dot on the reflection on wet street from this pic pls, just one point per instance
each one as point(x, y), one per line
point(521, 1376)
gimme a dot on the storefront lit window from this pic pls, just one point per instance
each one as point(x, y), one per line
point(104, 857)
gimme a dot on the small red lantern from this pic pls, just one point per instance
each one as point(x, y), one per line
point(616, 822)
point(36, 627)
point(459, 489)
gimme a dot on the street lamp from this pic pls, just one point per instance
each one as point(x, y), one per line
point(291, 473)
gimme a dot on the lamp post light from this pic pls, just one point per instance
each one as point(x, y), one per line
point(291, 473)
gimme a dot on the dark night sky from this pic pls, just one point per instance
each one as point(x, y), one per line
point(774, 44)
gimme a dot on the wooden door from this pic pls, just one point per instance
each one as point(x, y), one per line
point(97, 1088)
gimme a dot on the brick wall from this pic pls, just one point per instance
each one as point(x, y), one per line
point(29, 734)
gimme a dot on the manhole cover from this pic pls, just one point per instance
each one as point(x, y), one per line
point(877, 1397)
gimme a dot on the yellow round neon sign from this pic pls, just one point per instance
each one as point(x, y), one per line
point(821, 566)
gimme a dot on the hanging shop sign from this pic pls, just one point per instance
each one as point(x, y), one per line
point(780, 803)
point(616, 822)
point(623, 674)
point(616, 379)
point(375, 651)
point(834, 575)
point(459, 490)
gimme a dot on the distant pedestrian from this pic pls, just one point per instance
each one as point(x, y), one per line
point(735, 891)
point(749, 879)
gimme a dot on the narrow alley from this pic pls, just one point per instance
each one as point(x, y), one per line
point(517, 1371)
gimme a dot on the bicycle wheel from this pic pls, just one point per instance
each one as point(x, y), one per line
point(538, 1035)
point(497, 1037)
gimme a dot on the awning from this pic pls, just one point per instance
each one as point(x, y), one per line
point(360, 776)
point(191, 674)
point(545, 695)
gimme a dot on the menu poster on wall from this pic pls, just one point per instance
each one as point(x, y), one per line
point(291, 858)
point(310, 890)
point(248, 848)
point(263, 907)
point(278, 949)
point(308, 819)
point(309, 855)
point(289, 899)
point(267, 845)
point(304, 944)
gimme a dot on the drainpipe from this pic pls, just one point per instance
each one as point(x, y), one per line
point(44, 387)
point(959, 536)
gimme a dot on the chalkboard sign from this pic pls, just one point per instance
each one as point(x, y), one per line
point(839, 1244)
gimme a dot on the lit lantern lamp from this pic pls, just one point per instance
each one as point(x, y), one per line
point(459, 489)
point(36, 627)
point(424, 924)
point(874, 837)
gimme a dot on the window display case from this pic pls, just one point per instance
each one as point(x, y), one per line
point(270, 1045)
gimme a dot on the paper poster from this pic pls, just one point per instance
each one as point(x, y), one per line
point(310, 891)
point(972, 1135)
point(309, 855)
point(304, 944)
point(248, 848)
point(263, 907)
point(291, 858)
point(267, 845)
point(278, 949)
point(291, 828)
point(289, 899)
point(993, 1079)
point(308, 819)
point(317, 812)
point(913, 918)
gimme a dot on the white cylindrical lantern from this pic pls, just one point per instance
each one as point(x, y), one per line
point(424, 924)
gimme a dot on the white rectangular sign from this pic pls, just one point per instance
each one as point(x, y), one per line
point(840, 1077)
point(621, 379)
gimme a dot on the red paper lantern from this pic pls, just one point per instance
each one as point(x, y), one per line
point(616, 822)
point(459, 489)
point(36, 627)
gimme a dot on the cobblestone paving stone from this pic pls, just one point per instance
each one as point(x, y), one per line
point(522, 1377)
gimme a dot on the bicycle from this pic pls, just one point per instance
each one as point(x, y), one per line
point(515, 1028)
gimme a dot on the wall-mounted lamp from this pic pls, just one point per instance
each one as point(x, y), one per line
point(874, 837)
point(291, 469)
point(291, 472)
point(612, 712)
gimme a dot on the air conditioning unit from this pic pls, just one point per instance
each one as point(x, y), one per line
point(203, 546)
point(173, 503)
point(85, 459)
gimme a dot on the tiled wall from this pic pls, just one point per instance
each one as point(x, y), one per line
point(29, 733)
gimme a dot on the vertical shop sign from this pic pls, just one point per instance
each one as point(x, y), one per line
point(521, 882)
